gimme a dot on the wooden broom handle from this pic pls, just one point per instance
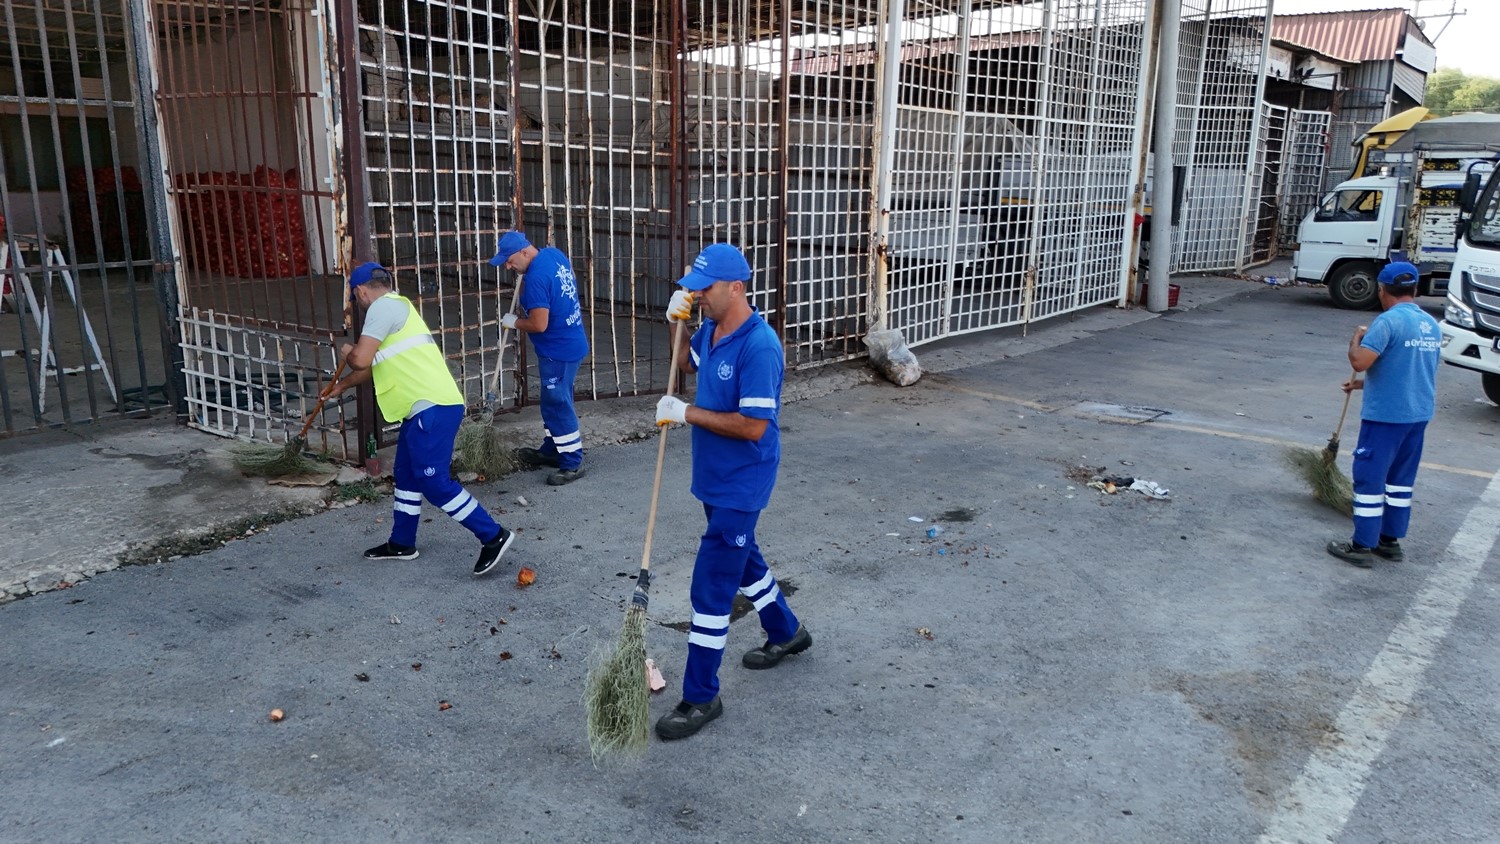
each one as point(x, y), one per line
point(1337, 430)
point(661, 450)
point(318, 408)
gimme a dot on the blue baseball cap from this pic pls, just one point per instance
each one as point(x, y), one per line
point(510, 243)
point(719, 262)
point(365, 272)
point(1399, 274)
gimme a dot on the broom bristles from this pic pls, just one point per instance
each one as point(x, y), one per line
point(1323, 477)
point(274, 461)
point(479, 447)
point(618, 695)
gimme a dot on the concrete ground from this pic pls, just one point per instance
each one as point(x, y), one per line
point(1056, 665)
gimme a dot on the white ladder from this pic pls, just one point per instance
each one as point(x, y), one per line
point(13, 275)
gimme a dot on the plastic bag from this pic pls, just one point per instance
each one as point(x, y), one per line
point(891, 357)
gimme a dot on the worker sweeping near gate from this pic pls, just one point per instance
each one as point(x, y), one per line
point(413, 384)
point(1399, 355)
point(736, 452)
point(554, 320)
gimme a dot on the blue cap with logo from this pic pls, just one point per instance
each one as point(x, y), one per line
point(718, 262)
point(510, 243)
point(366, 272)
point(1399, 274)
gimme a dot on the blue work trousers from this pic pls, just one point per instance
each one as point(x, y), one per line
point(1385, 468)
point(560, 434)
point(424, 453)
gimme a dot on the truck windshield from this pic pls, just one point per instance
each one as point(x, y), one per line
point(1346, 206)
point(1484, 229)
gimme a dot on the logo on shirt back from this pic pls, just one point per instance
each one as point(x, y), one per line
point(726, 372)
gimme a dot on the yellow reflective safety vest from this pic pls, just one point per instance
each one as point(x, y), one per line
point(410, 368)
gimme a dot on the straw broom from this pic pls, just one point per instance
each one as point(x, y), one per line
point(478, 446)
point(1323, 476)
point(618, 696)
point(280, 461)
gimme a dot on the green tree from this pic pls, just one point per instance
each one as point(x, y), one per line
point(1450, 91)
point(1441, 86)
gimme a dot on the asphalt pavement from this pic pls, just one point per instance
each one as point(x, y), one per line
point(1057, 664)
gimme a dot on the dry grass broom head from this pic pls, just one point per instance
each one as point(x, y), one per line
point(618, 697)
point(274, 461)
point(480, 447)
point(1327, 482)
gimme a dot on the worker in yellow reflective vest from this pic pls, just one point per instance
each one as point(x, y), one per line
point(412, 384)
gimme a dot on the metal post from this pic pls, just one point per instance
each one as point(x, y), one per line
point(889, 72)
point(141, 31)
point(1162, 176)
point(1145, 88)
point(348, 115)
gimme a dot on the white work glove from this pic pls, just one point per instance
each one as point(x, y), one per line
point(681, 306)
point(671, 409)
point(508, 321)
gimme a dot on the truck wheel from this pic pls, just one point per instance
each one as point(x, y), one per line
point(1491, 383)
point(1353, 286)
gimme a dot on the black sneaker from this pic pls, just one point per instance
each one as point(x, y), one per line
point(391, 551)
point(688, 718)
point(492, 551)
point(769, 655)
point(1357, 555)
point(1390, 551)
point(566, 476)
point(536, 459)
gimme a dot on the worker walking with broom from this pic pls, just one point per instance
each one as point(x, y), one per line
point(413, 384)
point(1399, 355)
point(736, 452)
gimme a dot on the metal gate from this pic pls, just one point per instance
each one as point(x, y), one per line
point(1303, 169)
point(1220, 75)
point(1017, 134)
point(1269, 169)
point(81, 321)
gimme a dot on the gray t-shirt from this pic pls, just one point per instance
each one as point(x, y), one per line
point(385, 317)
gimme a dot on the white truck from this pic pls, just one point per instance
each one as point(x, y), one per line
point(1471, 318)
point(1409, 213)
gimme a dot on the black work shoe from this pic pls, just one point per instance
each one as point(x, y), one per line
point(1357, 555)
point(688, 718)
point(1390, 551)
point(536, 459)
point(492, 551)
point(768, 655)
point(566, 476)
point(391, 551)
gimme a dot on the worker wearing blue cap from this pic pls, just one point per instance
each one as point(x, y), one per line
point(413, 386)
point(1399, 355)
point(554, 320)
point(736, 452)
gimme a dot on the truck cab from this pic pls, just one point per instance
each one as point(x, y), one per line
point(1471, 318)
point(1345, 240)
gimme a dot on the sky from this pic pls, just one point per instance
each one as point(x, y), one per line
point(1467, 44)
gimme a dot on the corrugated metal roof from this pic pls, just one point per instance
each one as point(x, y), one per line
point(1370, 35)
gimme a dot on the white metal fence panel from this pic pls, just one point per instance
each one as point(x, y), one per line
point(1303, 170)
point(1217, 129)
point(1267, 170)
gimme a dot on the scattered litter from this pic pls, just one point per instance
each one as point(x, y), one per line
point(1237, 413)
point(1151, 489)
point(395, 619)
point(444, 706)
point(55, 742)
point(505, 655)
point(942, 552)
point(891, 356)
point(653, 676)
point(934, 531)
point(915, 519)
point(924, 633)
point(277, 715)
point(416, 666)
point(362, 677)
point(525, 577)
point(521, 500)
point(893, 534)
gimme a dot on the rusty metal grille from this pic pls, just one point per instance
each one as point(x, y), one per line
point(1270, 167)
point(1222, 58)
point(1303, 167)
point(245, 100)
point(80, 336)
point(435, 94)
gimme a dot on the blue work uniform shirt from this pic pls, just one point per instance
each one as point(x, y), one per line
point(550, 284)
point(742, 373)
point(1401, 385)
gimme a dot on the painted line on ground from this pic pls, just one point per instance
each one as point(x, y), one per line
point(1319, 803)
point(1180, 426)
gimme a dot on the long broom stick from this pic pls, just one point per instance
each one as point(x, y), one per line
point(1319, 469)
point(618, 697)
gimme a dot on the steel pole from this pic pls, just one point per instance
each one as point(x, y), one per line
point(1162, 135)
point(888, 64)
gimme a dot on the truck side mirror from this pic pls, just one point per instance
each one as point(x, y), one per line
point(1470, 195)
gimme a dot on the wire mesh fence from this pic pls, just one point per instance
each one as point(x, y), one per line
point(1303, 169)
